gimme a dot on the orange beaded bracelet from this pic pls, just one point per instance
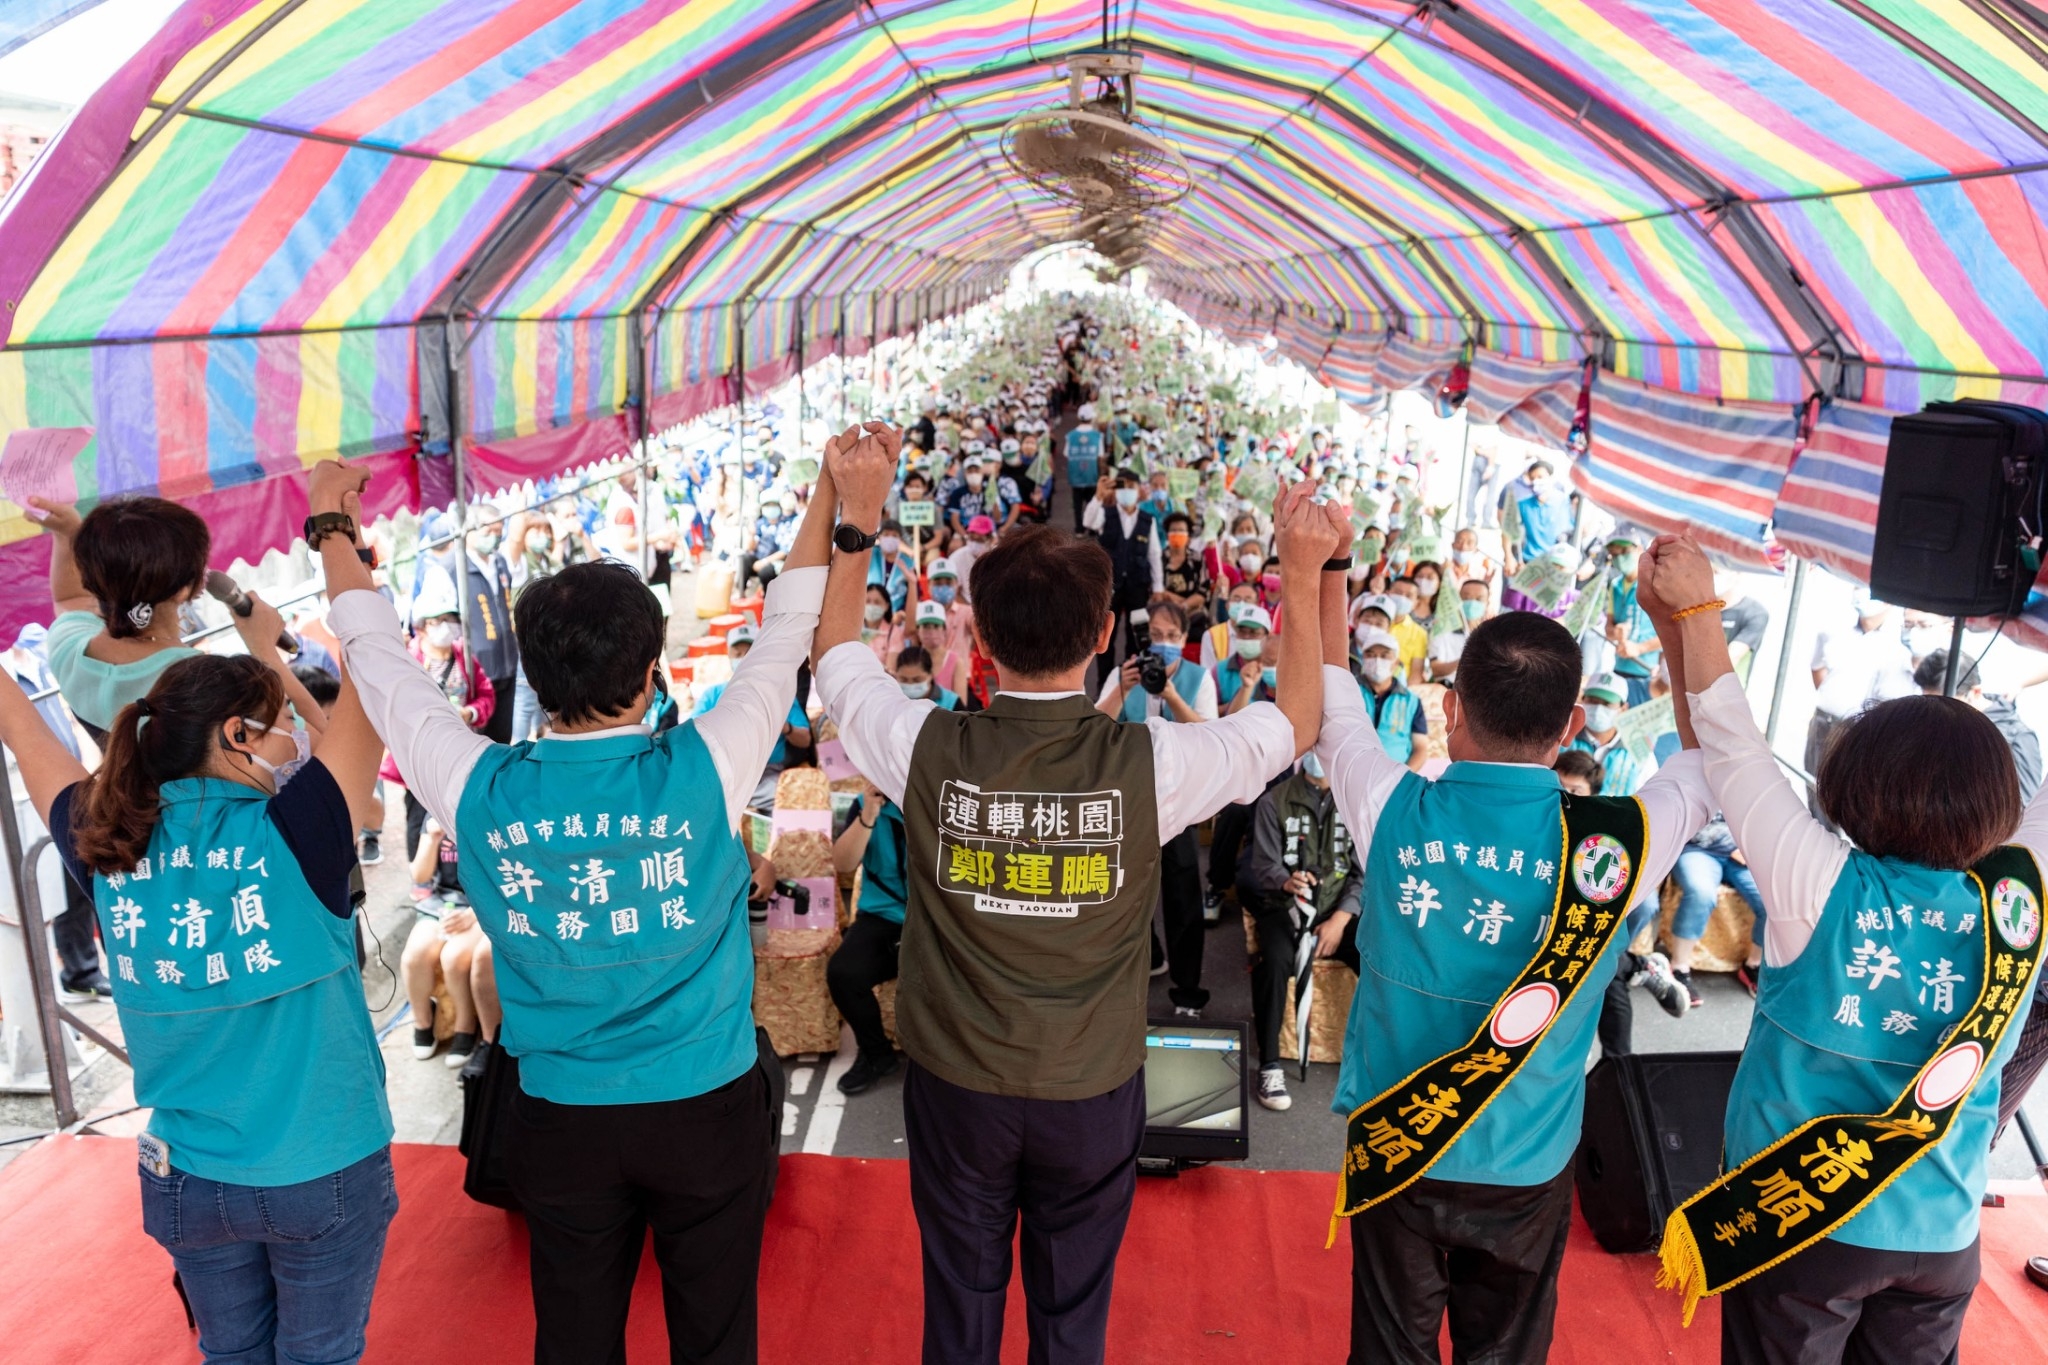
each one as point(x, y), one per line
point(1714, 604)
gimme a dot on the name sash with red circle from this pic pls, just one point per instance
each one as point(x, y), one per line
point(1393, 1139)
point(1820, 1175)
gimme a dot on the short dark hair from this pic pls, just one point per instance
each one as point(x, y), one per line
point(1928, 780)
point(1040, 599)
point(1172, 611)
point(914, 656)
point(1932, 671)
point(1581, 764)
point(586, 636)
point(137, 552)
point(320, 685)
point(1181, 517)
point(1518, 680)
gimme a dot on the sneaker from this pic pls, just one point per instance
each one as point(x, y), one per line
point(423, 1038)
point(1186, 1012)
point(1212, 906)
point(421, 891)
point(370, 851)
point(1692, 992)
point(1745, 976)
point(460, 1045)
point(865, 1071)
point(1664, 984)
point(1273, 1088)
point(94, 987)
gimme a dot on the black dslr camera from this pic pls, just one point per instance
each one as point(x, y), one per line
point(1152, 673)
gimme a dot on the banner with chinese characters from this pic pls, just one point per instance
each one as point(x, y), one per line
point(1030, 853)
point(1393, 1139)
point(1822, 1173)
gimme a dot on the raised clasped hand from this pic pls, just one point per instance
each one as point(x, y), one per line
point(336, 486)
point(1307, 534)
point(1675, 574)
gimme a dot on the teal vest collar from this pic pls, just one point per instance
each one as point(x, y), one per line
point(561, 750)
point(1501, 775)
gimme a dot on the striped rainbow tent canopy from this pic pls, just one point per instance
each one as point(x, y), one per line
point(289, 229)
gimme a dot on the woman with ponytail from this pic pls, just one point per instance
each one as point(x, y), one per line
point(219, 852)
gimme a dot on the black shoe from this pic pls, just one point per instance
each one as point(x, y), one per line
point(865, 1071)
point(89, 988)
point(423, 1044)
point(2037, 1271)
point(460, 1045)
point(1693, 992)
point(371, 852)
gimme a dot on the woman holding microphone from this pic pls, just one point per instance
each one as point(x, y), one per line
point(219, 849)
point(1895, 964)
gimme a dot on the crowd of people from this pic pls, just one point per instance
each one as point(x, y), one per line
point(1236, 619)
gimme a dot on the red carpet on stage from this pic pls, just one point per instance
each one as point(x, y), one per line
point(1219, 1265)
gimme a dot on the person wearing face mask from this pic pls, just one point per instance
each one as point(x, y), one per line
point(1428, 576)
point(773, 534)
point(1082, 450)
point(968, 497)
point(890, 567)
point(1400, 598)
point(1630, 630)
point(1131, 537)
point(1241, 676)
point(944, 580)
point(912, 669)
point(1300, 875)
point(1216, 641)
point(933, 637)
point(1604, 699)
point(219, 846)
point(1447, 647)
point(1185, 577)
point(1396, 712)
point(880, 628)
point(437, 646)
point(1468, 561)
point(981, 534)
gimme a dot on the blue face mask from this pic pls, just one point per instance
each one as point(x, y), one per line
point(1272, 677)
point(944, 593)
point(1170, 653)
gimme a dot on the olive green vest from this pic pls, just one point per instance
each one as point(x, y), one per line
point(1033, 834)
point(1313, 838)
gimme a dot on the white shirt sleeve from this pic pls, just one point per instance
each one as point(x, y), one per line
point(434, 747)
point(1795, 857)
point(1091, 515)
point(878, 725)
point(742, 729)
point(1362, 776)
point(1152, 558)
point(1205, 697)
point(1197, 770)
point(1676, 802)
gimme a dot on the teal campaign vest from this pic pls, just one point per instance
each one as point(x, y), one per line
point(1229, 680)
point(1620, 774)
point(1185, 679)
point(1083, 448)
point(1629, 613)
point(1893, 965)
point(239, 997)
point(882, 890)
point(1460, 880)
point(619, 935)
point(1396, 719)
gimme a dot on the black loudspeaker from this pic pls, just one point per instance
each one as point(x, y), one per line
point(1651, 1140)
point(1959, 518)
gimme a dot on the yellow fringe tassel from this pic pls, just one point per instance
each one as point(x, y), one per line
point(1682, 1268)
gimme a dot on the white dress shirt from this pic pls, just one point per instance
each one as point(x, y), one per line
point(1794, 857)
point(436, 750)
point(1676, 801)
point(1197, 770)
point(1091, 520)
point(1863, 667)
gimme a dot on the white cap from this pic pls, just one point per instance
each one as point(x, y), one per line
point(739, 635)
point(1086, 412)
point(1257, 616)
point(930, 614)
point(437, 598)
point(1372, 637)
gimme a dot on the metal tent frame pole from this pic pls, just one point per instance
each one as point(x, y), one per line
point(1785, 652)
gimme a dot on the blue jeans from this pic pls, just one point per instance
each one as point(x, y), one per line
point(281, 1274)
point(1700, 872)
point(526, 713)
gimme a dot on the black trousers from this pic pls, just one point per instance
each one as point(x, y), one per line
point(499, 728)
point(1838, 1303)
point(594, 1179)
point(1273, 968)
point(447, 873)
point(78, 953)
point(978, 1163)
point(1618, 1010)
point(1486, 1256)
point(1226, 838)
point(1180, 904)
point(864, 959)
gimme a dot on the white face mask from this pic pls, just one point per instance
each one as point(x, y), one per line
point(889, 546)
point(1427, 587)
point(1600, 719)
point(917, 691)
point(873, 612)
point(281, 773)
point(1399, 605)
point(973, 478)
point(1378, 670)
point(444, 634)
point(1126, 497)
point(1237, 611)
point(1249, 649)
point(1249, 563)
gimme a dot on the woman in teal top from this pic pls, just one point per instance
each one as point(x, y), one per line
point(223, 900)
point(1892, 962)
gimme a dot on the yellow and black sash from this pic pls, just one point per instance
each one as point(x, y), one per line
point(1394, 1138)
point(1821, 1174)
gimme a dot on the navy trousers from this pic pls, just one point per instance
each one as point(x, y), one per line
point(977, 1163)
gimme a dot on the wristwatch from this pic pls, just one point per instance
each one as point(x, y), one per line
point(852, 539)
point(321, 525)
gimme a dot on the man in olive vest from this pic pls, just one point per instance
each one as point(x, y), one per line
point(1033, 829)
point(1491, 901)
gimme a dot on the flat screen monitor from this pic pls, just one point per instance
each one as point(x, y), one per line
point(1196, 1090)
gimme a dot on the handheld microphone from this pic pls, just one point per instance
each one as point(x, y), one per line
point(229, 594)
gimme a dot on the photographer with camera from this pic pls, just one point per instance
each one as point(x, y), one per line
point(1164, 682)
